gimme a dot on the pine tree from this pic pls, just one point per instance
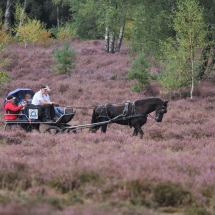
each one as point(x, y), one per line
point(141, 72)
point(65, 58)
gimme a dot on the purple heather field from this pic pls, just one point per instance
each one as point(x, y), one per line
point(170, 171)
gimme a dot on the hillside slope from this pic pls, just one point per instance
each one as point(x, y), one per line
point(170, 171)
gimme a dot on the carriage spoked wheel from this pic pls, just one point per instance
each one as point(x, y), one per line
point(53, 130)
point(71, 130)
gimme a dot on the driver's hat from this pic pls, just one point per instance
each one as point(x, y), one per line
point(45, 88)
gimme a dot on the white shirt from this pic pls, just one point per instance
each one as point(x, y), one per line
point(46, 97)
point(38, 96)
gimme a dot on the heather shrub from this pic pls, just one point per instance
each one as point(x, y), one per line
point(152, 90)
point(141, 201)
point(86, 176)
point(73, 198)
point(197, 211)
point(112, 173)
point(13, 180)
point(137, 188)
point(4, 199)
point(80, 179)
point(55, 202)
point(167, 194)
point(62, 185)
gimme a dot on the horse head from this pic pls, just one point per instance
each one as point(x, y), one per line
point(160, 111)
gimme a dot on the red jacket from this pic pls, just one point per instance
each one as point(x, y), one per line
point(10, 106)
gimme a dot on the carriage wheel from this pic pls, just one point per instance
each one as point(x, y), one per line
point(53, 130)
point(71, 130)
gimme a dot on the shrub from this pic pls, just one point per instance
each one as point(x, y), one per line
point(65, 58)
point(44, 37)
point(137, 188)
point(4, 76)
point(141, 72)
point(87, 176)
point(166, 194)
point(197, 211)
point(64, 32)
point(73, 198)
point(143, 202)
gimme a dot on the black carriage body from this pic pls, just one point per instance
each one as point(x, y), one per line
point(33, 123)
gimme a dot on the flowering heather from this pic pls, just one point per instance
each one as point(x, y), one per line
point(171, 170)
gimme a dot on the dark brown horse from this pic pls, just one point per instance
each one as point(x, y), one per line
point(132, 114)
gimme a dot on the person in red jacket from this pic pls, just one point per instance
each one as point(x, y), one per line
point(11, 110)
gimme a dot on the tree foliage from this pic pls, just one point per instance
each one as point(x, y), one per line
point(4, 76)
point(151, 25)
point(29, 30)
point(4, 37)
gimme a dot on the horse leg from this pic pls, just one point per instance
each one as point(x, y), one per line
point(135, 132)
point(137, 128)
point(104, 128)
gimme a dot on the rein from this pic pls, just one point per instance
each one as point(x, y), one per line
point(77, 107)
point(152, 117)
point(83, 107)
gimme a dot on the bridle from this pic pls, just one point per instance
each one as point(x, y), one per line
point(162, 111)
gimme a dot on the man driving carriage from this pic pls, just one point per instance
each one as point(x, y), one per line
point(39, 100)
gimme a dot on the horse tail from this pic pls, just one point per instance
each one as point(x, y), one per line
point(93, 120)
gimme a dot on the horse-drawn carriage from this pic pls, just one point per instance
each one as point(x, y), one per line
point(133, 114)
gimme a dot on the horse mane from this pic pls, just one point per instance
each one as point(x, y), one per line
point(149, 100)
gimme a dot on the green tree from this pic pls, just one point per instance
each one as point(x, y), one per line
point(140, 71)
point(4, 76)
point(65, 58)
point(151, 25)
point(183, 56)
point(173, 66)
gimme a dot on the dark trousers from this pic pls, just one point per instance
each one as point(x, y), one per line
point(49, 110)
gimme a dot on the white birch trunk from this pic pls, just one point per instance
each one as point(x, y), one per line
point(111, 44)
point(21, 17)
point(119, 41)
point(192, 70)
point(58, 18)
point(7, 15)
point(106, 47)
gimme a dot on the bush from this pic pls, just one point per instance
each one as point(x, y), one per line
point(140, 71)
point(166, 194)
point(137, 188)
point(197, 211)
point(65, 58)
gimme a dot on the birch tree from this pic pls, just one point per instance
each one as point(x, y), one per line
point(184, 56)
point(7, 15)
point(112, 17)
point(22, 16)
point(58, 4)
